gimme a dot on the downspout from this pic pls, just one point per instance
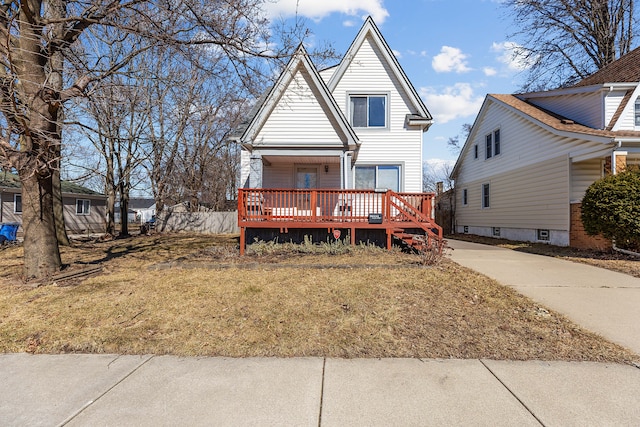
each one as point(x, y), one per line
point(346, 169)
point(623, 251)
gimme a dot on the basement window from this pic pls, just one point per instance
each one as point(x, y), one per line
point(543, 235)
point(495, 231)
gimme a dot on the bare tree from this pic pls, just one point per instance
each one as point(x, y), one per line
point(565, 41)
point(35, 34)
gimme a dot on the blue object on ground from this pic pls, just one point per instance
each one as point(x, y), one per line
point(9, 230)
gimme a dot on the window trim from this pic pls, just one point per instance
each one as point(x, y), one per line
point(399, 167)
point(486, 195)
point(88, 204)
point(636, 112)
point(15, 203)
point(384, 95)
point(492, 145)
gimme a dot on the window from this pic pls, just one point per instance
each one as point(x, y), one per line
point(485, 196)
point(382, 176)
point(368, 111)
point(543, 235)
point(495, 231)
point(492, 144)
point(17, 203)
point(465, 197)
point(637, 111)
point(475, 151)
point(83, 206)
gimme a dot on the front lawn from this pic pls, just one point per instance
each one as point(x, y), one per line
point(193, 295)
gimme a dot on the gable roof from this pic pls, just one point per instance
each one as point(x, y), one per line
point(549, 120)
point(369, 28)
point(267, 103)
point(623, 70)
point(12, 181)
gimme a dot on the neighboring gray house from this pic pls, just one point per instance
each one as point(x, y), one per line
point(84, 209)
point(529, 158)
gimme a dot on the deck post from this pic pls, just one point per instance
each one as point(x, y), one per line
point(242, 240)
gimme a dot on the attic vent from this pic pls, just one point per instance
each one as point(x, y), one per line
point(567, 122)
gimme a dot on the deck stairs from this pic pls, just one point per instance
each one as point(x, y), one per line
point(431, 236)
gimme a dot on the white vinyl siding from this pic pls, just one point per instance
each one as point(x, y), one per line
point(299, 120)
point(612, 102)
point(527, 144)
point(395, 144)
point(535, 197)
point(584, 108)
point(583, 174)
point(282, 175)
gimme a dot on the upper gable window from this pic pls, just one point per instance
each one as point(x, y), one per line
point(637, 111)
point(492, 144)
point(368, 111)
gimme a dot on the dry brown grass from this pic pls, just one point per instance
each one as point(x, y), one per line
point(611, 260)
point(193, 295)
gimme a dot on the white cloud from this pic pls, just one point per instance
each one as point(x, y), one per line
point(397, 53)
point(512, 55)
point(317, 10)
point(450, 59)
point(489, 71)
point(452, 103)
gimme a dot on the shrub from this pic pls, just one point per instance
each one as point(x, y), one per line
point(611, 207)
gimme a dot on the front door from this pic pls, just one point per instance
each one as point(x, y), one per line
point(307, 177)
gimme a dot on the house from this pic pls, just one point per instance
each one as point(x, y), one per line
point(84, 209)
point(529, 158)
point(352, 129)
point(140, 210)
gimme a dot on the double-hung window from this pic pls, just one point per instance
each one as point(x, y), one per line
point(368, 111)
point(83, 206)
point(492, 144)
point(486, 200)
point(380, 176)
point(17, 203)
point(637, 112)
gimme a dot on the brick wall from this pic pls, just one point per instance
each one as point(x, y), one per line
point(578, 238)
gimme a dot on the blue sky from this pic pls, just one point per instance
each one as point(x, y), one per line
point(453, 51)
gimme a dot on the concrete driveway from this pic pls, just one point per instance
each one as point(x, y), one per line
point(599, 300)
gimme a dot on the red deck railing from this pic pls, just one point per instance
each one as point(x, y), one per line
point(313, 208)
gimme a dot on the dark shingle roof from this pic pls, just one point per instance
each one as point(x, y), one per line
point(624, 70)
point(9, 180)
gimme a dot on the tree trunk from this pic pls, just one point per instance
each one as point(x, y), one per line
point(58, 11)
point(124, 212)
point(41, 252)
point(58, 206)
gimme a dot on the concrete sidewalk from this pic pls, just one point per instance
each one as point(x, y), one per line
point(111, 390)
point(600, 300)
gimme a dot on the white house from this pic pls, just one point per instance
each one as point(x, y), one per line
point(355, 126)
point(529, 158)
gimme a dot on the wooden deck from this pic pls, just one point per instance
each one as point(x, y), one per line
point(354, 210)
